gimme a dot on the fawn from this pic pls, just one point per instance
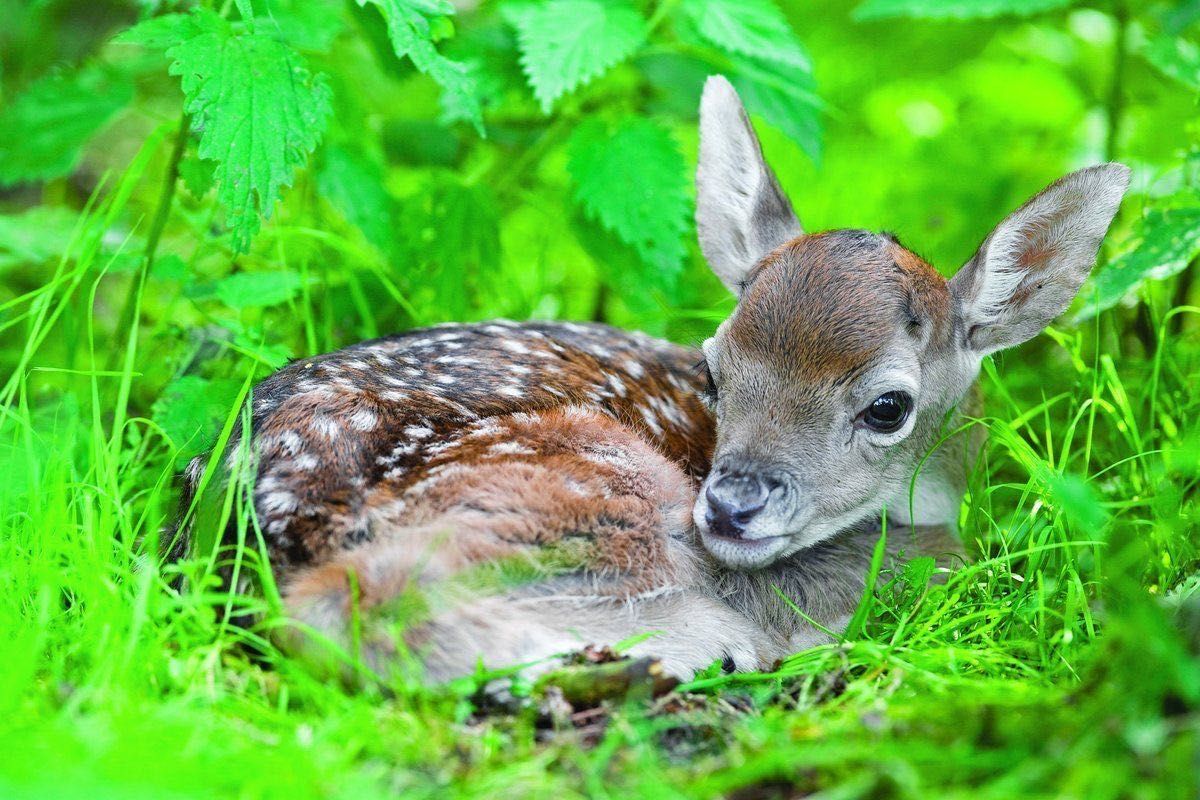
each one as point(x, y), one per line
point(548, 485)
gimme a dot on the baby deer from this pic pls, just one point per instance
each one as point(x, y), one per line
point(549, 485)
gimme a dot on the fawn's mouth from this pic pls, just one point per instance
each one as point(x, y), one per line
point(741, 552)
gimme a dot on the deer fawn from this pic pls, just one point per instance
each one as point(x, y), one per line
point(548, 485)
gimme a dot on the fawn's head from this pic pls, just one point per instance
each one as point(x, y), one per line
point(831, 380)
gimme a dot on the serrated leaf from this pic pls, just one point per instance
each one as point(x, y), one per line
point(954, 9)
point(258, 111)
point(1170, 239)
point(633, 180)
point(44, 130)
point(754, 28)
point(566, 43)
point(255, 289)
point(413, 26)
point(1176, 58)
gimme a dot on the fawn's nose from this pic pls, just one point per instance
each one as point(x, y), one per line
point(734, 500)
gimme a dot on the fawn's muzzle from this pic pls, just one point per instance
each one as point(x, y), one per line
point(734, 500)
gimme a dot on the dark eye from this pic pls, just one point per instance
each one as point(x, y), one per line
point(710, 386)
point(888, 413)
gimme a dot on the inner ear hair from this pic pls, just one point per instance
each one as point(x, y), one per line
point(1030, 267)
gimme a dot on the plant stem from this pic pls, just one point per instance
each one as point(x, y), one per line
point(158, 223)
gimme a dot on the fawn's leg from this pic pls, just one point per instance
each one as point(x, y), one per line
point(535, 534)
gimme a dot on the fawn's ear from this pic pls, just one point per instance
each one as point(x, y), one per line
point(1030, 267)
point(741, 214)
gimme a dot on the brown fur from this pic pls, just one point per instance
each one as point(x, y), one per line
point(821, 301)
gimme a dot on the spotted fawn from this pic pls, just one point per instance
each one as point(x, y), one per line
point(545, 485)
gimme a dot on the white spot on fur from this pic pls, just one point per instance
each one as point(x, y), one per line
point(326, 426)
point(511, 448)
point(364, 420)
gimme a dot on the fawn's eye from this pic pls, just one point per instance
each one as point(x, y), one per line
point(710, 385)
point(888, 412)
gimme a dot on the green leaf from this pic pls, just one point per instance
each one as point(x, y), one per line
point(38, 235)
point(954, 9)
point(354, 184)
point(256, 108)
point(451, 233)
point(633, 180)
point(309, 25)
point(254, 289)
point(44, 130)
point(566, 43)
point(413, 25)
point(785, 97)
point(1176, 58)
point(1077, 500)
point(755, 28)
point(190, 411)
point(1170, 239)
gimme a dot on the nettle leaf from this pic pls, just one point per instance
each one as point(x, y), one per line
point(954, 9)
point(1176, 58)
point(632, 179)
point(256, 289)
point(44, 130)
point(1170, 239)
point(566, 43)
point(775, 80)
point(258, 110)
point(413, 26)
point(755, 28)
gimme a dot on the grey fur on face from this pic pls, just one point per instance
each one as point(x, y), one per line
point(832, 326)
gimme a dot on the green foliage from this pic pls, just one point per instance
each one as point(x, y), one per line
point(631, 178)
point(1176, 58)
point(1169, 239)
point(43, 132)
point(412, 26)
point(566, 43)
point(255, 289)
point(755, 28)
point(954, 9)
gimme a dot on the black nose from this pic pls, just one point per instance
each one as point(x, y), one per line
point(734, 500)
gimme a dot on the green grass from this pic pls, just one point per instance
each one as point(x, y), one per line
point(1060, 660)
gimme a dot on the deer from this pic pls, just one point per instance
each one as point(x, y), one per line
point(540, 486)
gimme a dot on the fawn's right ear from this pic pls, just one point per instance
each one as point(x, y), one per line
point(741, 213)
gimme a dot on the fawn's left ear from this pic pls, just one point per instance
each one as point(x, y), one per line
point(1030, 267)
